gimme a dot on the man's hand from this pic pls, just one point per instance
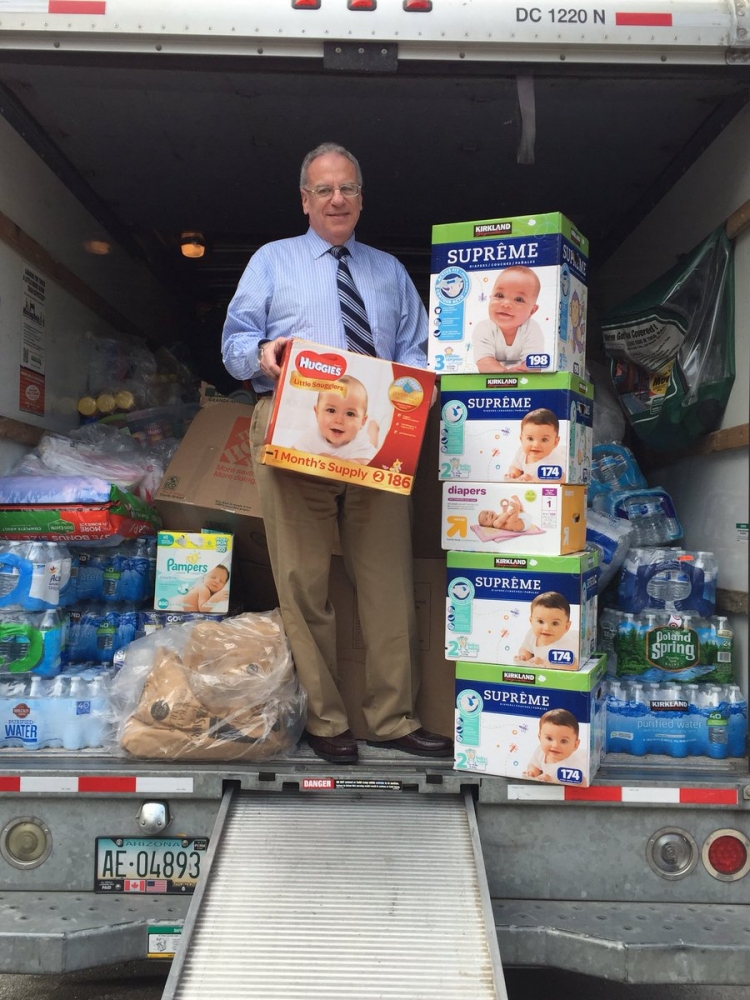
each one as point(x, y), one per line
point(270, 357)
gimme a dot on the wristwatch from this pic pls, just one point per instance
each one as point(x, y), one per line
point(261, 345)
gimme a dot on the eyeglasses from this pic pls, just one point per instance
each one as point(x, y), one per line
point(327, 190)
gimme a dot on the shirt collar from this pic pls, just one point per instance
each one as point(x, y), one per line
point(319, 246)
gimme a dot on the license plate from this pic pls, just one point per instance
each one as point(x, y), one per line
point(149, 864)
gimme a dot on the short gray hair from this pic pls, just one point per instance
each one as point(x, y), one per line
point(321, 150)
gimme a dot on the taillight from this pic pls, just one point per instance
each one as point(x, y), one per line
point(361, 4)
point(305, 4)
point(414, 6)
point(726, 855)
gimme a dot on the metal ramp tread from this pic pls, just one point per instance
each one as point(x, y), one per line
point(356, 895)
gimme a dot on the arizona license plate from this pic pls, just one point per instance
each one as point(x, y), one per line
point(149, 864)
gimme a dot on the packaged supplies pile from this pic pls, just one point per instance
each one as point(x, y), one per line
point(210, 690)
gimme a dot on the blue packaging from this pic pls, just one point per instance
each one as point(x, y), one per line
point(662, 579)
point(705, 720)
point(650, 512)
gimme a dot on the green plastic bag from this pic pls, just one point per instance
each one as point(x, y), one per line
point(671, 348)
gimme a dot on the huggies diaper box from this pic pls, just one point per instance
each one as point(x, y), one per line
point(508, 295)
point(349, 417)
point(521, 610)
point(531, 722)
point(500, 517)
point(193, 571)
point(516, 428)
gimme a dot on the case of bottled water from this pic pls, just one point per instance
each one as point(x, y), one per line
point(124, 573)
point(96, 632)
point(35, 576)
point(650, 512)
point(614, 467)
point(705, 720)
point(611, 537)
point(659, 646)
point(70, 711)
point(31, 642)
point(664, 579)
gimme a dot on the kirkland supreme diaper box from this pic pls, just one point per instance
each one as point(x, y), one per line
point(531, 722)
point(349, 417)
point(193, 571)
point(508, 295)
point(516, 428)
point(499, 517)
point(521, 610)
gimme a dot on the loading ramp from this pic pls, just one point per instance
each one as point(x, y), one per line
point(355, 895)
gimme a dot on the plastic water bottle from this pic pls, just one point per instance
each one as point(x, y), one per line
point(77, 706)
point(647, 521)
point(737, 735)
point(51, 627)
point(640, 711)
point(97, 722)
point(717, 722)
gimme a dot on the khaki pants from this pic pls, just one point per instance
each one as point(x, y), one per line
point(300, 514)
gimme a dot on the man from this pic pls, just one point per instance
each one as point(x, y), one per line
point(289, 289)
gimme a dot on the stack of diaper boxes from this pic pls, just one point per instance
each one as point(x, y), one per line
point(507, 337)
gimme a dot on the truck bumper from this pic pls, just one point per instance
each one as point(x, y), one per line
point(58, 932)
point(628, 942)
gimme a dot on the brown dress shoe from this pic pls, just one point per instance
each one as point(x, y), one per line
point(341, 749)
point(420, 742)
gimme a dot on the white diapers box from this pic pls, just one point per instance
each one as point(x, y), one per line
point(521, 610)
point(349, 417)
point(499, 517)
point(193, 571)
point(516, 428)
point(531, 723)
point(508, 295)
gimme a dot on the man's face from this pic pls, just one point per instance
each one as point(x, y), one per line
point(513, 300)
point(558, 742)
point(548, 624)
point(334, 218)
point(538, 440)
point(340, 418)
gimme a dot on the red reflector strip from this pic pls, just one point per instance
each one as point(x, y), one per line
point(643, 20)
point(361, 4)
point(414, 6)
point(10, 784)
point(305, 4)
point(599, 793)
point(709, 796)
point(76, 7)
point(106, 784)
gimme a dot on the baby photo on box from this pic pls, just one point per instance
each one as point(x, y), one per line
point(491, 517)
point(516, 428)
point(508, 295)
point(506, 609)
point(348, 416)
point(539, 725)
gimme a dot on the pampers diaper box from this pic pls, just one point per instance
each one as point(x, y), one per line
point(193, 571)
point(546, 519)
point(349, 417)
point(521, 610)
point(531, 722)
point(516, 428)
point(508, 295)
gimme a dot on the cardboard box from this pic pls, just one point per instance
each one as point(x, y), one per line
point(210, 482)
point(193, 571)
point(489, 613)
point(348, 417)
point(436, 698)
point(503, 726)
point(499, 517)
point(481, 428)
point(520, 278)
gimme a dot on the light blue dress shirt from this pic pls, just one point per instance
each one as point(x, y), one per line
point(288, 289)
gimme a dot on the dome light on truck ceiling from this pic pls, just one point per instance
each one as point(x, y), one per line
point(192, 244)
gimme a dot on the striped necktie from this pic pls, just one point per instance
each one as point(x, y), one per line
point(357, 328)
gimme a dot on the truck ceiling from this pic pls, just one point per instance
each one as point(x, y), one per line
point(156, 144)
